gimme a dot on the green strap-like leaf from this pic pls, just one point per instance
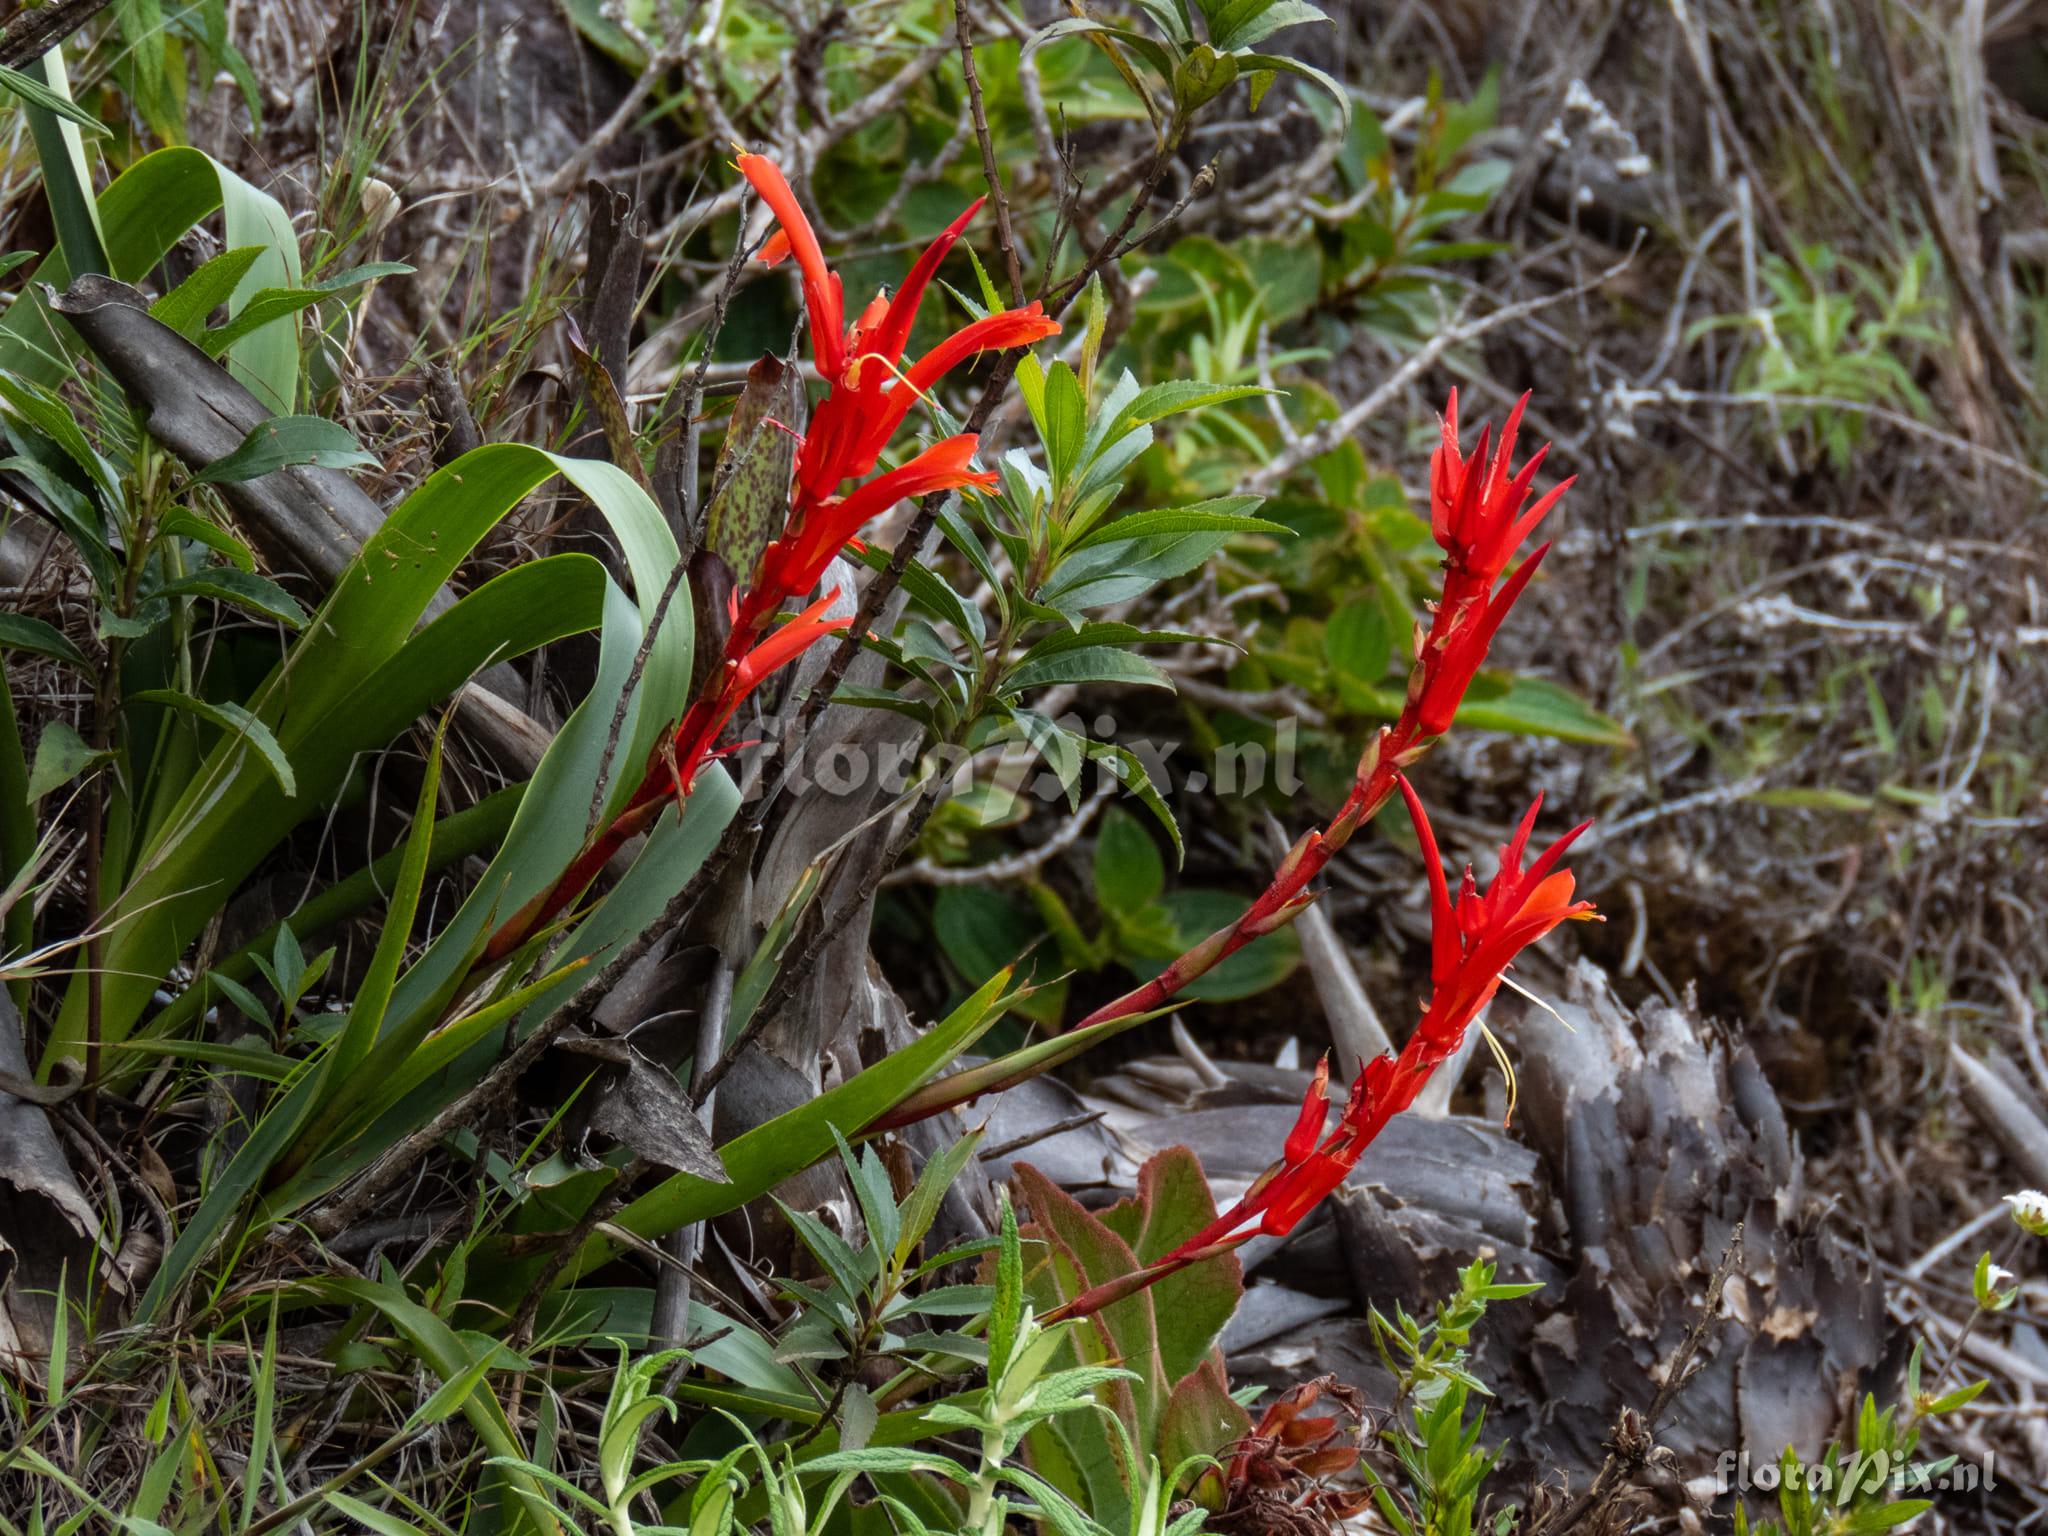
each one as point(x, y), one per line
point(366, 1013)
point(37, 94)
point(233, 719)
point(344, 689)
point(763, 1157)
point(286, 440)
point(143, 212)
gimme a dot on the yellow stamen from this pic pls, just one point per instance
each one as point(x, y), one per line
point(1507, 1070)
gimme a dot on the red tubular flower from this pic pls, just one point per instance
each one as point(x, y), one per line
point(1475, 504)
point(738, 677)
point(869, 392)
point(795, 562)
point(1473, 940)
point(682, 757)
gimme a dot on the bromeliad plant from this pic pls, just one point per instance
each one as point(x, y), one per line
point(332, 1096)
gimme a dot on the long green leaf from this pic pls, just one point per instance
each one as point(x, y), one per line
point(236, 721)
point(35, 93)
point(366, 1014)
point(467, 832)
point(763, 1157)
point(350, 684)
point(17, 837)
point(451, 1358)
point(1002, 1072)
point(549, 829)
point(53, 121)
point(230, 1194)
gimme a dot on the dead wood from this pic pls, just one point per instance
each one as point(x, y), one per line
point(47, 1225)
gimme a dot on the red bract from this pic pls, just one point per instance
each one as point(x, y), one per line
point(1475, 503)
point(1476, 513)
point(1473, 940)
point(794, 562)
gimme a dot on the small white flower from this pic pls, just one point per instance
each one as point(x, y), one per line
point(1998, 1277)
point(1630, 167)
point(2030, 1210)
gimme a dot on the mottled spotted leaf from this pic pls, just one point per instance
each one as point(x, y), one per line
point(750, 487)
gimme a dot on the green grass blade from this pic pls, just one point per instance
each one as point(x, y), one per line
point(67, 181)
point(17, 838)
point(469, 831)
point(366, 1016)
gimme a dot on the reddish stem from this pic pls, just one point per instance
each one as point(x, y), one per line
point(692, 742)
point(1391, 750)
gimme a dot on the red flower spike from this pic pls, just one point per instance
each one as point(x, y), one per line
point(868, 392)
point(795, 562)
point(1476, 505)
point(1473, 939)
point(1475, 514)
point(867, 396)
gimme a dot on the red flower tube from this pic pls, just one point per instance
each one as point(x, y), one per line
point(680, 760)
point(794, 562)
point(1477, 516)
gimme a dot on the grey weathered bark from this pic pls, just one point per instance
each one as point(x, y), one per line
point(33, 30)
point(304, 518)
point(47, 1226)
